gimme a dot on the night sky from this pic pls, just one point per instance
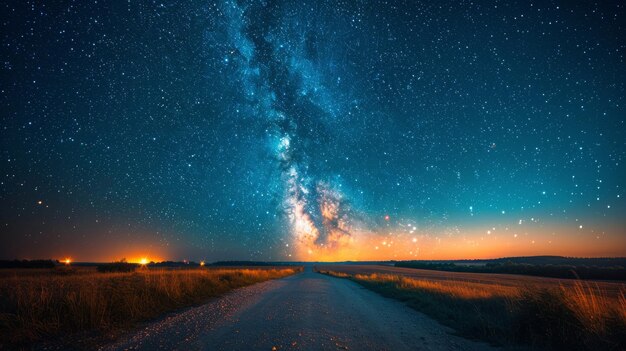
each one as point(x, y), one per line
point(312, 130)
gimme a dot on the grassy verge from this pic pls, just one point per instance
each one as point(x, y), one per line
point(582, 318)
point(41, 307)
point(538, 270)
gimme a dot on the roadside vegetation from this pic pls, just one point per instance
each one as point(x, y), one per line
point(578, 318)
point(83, 305)
point(541, 270)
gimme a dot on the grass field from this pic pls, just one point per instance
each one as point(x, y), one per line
point(84, 305)
point(550, 314)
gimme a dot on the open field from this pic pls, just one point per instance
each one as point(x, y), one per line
point(608, 288)
point(42, 304)
point(506, 309)
point(609, 268)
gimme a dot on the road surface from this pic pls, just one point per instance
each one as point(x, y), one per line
point(308, 311)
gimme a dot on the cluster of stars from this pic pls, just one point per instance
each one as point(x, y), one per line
point(312, 130)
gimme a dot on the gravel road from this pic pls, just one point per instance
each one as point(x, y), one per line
point(308, 311)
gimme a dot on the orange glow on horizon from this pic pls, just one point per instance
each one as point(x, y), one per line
point(393, 240)
point(409, 243)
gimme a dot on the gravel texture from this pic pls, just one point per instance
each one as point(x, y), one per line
point(308, 311)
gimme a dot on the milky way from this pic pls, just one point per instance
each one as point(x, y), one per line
point(283, 130)
point(276, 69)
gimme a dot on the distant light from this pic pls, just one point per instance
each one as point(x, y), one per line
point(67, 261)
point(202, 263)
point(143, 261)
point(386, 217)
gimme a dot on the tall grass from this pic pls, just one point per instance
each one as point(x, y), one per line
point(38, 307)
point(579, 318)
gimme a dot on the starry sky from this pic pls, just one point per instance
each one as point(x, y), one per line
point(312, 130)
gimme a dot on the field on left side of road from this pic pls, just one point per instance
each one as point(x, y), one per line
point(44, 304)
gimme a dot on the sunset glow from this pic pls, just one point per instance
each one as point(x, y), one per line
point(403, 242)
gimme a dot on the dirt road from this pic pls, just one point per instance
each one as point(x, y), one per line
point(308, 311)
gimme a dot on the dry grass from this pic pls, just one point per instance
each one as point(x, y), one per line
point(591, 308)
point(466, 290)
point(578, 318)
point(41, 306)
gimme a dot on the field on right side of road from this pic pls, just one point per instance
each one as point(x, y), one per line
point(506, 309)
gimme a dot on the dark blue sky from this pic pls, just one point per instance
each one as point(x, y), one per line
point(260, 130)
